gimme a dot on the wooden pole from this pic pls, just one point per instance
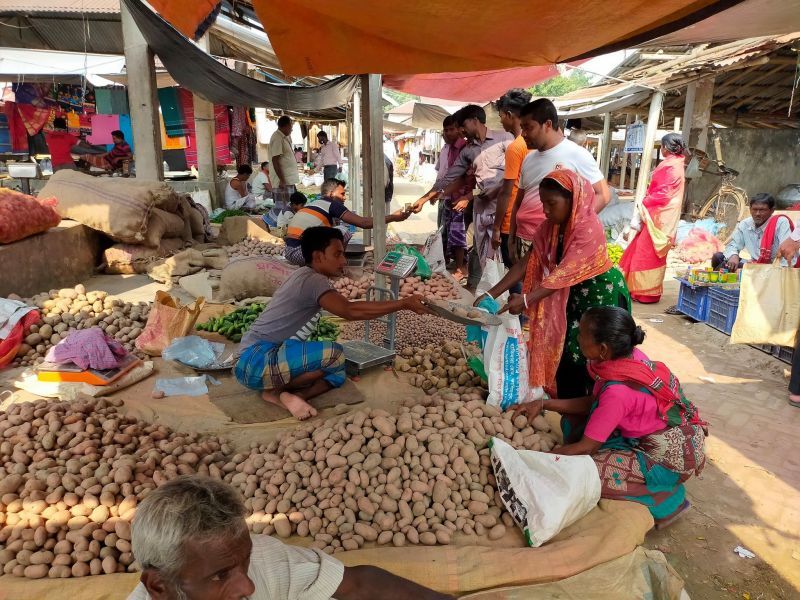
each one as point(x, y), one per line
point(649, 141)
point(605, 156)
point(633, 163)
point(204, 134)
point(354, 162)
point(143, 99)
point(688, 110)
point(624, 171)
point(372, 145)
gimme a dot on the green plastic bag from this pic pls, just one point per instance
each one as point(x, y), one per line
point(423, 268)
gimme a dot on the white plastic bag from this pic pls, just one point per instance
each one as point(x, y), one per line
point(544, 492)
point(505, 359)
point(493, 272)
point(434, 252)
point(203, 198)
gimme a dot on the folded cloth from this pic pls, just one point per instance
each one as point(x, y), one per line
point(11, 312)
point(88, 349)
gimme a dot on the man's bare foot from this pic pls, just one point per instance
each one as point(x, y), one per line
point(459, 275)
point(301, 409)
point(272, 397)
point(794, 400)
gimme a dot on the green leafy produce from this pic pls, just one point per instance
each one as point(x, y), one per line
point(234, 324)
point(326, 331)
point(228, 213)
point(614, 253)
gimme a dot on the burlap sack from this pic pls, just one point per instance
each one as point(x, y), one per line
point(165, 225)
point(257, 276)
point(119, 207)
point(168, 319)
point(126, 259)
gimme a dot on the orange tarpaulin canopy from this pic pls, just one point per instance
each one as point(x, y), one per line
point(191, 17)
point(435, 36)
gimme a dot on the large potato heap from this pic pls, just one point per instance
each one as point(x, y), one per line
point(438, 286)
point(71, 475)
point(415, 478)
point(254, 247)
point(70, 309)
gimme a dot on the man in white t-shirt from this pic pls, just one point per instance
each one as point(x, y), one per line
point(539, 121)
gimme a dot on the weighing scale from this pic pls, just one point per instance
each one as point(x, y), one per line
point(72, 373)
point(362, 354)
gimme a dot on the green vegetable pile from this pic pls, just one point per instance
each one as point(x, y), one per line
point(228, 213)
point(326, 331)
point(234, 324)
point(614, 252)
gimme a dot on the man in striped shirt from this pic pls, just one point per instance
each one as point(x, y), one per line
point(191, 539)
point(328, 211)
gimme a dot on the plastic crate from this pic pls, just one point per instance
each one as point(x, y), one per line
point(722, 307)
point(783, 353)
point(768, 348)
point(693, 301)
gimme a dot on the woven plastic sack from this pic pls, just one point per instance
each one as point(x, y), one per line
point(22, 215)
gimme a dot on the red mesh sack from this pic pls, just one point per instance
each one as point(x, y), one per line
point(22, 215)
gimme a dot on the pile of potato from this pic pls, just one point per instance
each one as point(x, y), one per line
point(411, 329)
point(254, 247)
point(439, 368)
point(415, 478)
point(438, 286)
point(70, 309)
point(71, 475)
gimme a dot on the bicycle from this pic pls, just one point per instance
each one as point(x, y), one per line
point(728, 203)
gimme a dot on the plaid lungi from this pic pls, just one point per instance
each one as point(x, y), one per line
point(267, 366)
point(454, 223)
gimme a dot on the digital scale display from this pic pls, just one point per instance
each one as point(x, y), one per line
point(397, 265)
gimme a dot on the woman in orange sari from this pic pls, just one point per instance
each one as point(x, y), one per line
point(566, 273)
point(655, 220)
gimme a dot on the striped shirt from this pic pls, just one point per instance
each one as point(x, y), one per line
point(320, 213)
point(283, 572)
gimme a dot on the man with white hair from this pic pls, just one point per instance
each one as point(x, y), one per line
point(191, 540)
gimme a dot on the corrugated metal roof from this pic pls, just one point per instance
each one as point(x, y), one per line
point(49, 6)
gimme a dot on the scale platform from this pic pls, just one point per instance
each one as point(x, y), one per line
point(360, 356)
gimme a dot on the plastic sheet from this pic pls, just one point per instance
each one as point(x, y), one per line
point(184, 386)
point(194, 351)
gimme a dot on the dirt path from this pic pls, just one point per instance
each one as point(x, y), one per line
point(749, 492)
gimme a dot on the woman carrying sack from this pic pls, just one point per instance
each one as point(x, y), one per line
point(644, 436)
point(566, 273)
point(655, 220)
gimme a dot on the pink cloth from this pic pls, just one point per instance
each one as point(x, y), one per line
point(88, 349)
point(621, 407)
point(102, 126)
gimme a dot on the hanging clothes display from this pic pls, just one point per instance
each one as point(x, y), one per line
point(127, 129)
point(103, 101)
point(102, 126)
point(119, 102)
point(5, 134)
point(175, 120)
point(171, 143)
point(221, 137)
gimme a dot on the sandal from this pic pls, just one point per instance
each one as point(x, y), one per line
point(664, 523)
point(672, 310)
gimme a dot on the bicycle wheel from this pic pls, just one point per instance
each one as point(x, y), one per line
point(726, 207)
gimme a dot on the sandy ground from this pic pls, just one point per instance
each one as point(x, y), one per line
point(748, 495)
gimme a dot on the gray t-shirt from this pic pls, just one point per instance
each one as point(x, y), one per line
point(293, 311)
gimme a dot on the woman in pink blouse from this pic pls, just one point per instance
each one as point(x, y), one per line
point(645, 437)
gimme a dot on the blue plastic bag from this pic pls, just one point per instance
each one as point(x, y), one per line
point(476, 333)
point(194, 351)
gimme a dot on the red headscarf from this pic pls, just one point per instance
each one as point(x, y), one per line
point(584, 257)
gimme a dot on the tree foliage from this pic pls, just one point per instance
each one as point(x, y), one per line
point(560, 85)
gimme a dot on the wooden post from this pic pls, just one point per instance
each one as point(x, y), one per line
point(633, 164)
point(688, 110)
point(624, 171)
point(701, 114)
point(372, 144)
point(354, 164)
point(605, 156)
point(649, 141)
point(143, 100)
point(205, 131)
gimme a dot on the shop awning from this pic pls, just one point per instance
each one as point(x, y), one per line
point(199, 72)
point(475, 86)
point(435, 36)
